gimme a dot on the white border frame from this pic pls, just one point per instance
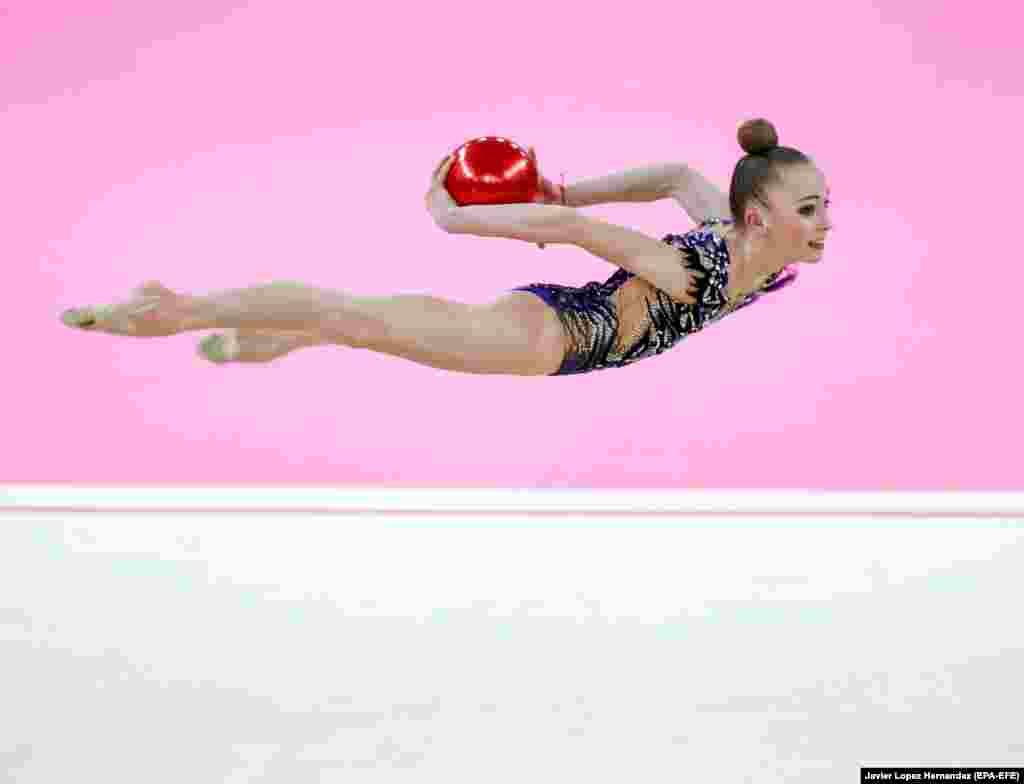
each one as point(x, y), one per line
point(61, 497)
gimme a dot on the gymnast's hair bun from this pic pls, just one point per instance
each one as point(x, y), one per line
point(757, 136)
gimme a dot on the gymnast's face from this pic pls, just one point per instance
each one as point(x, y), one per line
point(799, 218)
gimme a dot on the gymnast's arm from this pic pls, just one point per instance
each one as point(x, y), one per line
point(554, 224)
point(646, 257)
point(701, 199)
point(548, 223)
point(641, 184)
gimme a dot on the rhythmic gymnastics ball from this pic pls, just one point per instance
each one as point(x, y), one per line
point(492, 170)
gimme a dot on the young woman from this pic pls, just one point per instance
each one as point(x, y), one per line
point(776, 215)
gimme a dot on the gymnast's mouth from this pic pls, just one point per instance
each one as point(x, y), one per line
point(817, 245)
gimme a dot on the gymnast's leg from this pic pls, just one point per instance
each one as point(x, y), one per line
point(518, 334)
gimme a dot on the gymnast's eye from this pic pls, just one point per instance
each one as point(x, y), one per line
point(809, 209)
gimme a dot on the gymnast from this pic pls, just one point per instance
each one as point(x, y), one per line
point(776, 215)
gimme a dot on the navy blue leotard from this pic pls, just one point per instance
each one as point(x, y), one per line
point(625, 319)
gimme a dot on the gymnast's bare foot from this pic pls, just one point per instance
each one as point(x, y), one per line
point(240, 345)
point(153, 310)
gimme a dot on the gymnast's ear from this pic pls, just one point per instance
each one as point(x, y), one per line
point(756, 219)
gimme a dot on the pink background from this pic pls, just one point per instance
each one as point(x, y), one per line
point(214, 145)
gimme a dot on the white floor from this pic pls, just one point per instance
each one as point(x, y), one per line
point(289, 647)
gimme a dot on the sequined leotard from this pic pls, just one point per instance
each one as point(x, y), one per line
point(625, 319)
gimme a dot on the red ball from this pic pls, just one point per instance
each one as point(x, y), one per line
point(492, 170)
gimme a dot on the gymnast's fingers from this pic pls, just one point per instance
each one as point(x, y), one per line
point(441, 168)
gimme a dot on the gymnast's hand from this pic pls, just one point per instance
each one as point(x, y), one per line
point(440, 203)
point(549, 192)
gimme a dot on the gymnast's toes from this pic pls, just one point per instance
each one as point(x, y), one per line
point(78, 317)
